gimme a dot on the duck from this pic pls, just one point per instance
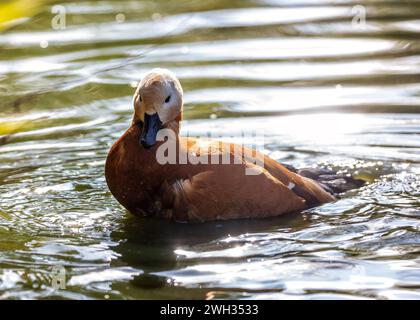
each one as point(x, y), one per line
point(224, 184)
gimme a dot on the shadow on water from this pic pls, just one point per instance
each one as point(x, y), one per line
point(151, 244)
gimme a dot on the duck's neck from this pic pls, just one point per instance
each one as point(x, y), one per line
point(174, 126)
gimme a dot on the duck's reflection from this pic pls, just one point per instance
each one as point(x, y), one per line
point(149, 245)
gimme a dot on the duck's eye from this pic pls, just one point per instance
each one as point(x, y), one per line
point(167, 99)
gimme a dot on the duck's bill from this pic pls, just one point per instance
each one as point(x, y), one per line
point(151, 126)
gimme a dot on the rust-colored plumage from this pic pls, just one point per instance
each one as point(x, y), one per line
point(197, 192)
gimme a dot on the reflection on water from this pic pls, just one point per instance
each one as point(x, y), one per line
point(325, 92)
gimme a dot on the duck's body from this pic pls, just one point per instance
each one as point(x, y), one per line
point(190, 191)
point(203, 192)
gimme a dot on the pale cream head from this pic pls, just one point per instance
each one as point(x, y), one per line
point(159, 92)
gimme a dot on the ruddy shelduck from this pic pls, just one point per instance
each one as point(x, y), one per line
point(197, 191)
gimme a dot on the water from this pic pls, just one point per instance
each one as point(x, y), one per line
point(325, 91)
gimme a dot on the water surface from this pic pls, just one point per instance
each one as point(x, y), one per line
point(325, 92)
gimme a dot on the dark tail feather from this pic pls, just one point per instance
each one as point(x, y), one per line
point(331, 181)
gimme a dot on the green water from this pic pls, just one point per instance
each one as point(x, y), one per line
point(325, 91)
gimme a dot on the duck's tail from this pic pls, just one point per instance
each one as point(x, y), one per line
point(332, 182)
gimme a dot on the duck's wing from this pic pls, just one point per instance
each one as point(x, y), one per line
point(227, 193)
point(304, 187)
point(249, 188)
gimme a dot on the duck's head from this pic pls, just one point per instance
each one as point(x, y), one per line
point(157, 104)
